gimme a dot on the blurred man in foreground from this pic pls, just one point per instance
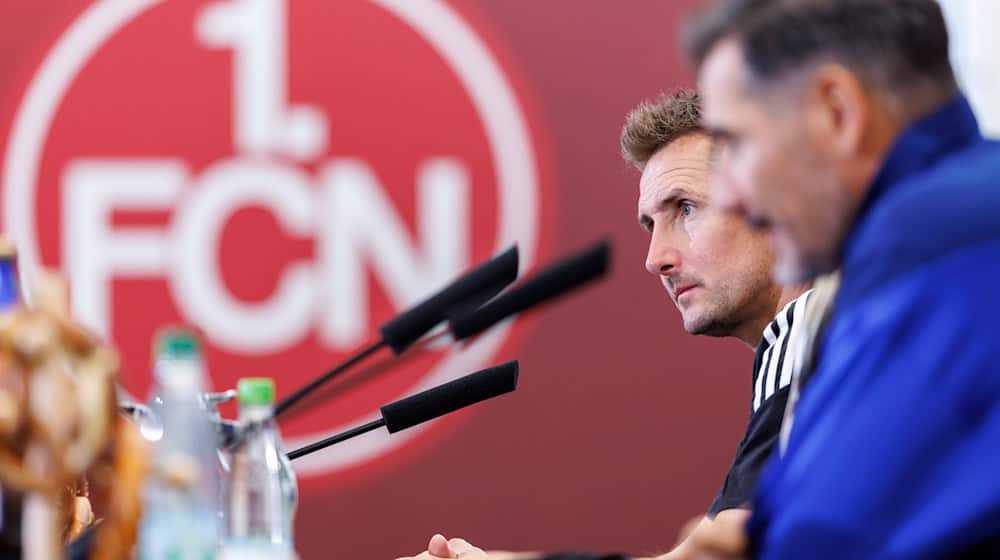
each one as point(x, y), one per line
point(841, 133)
point(717, 272)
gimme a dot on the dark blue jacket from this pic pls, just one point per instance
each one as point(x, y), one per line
point(895, 451)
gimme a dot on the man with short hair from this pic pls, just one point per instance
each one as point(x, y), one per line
point(717, 271)
point(841, 133)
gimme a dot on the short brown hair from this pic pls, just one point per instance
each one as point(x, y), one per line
point(653, 125)
point(891, 44)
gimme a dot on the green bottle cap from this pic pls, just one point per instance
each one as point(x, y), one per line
point(255, 390)
point(177, 344)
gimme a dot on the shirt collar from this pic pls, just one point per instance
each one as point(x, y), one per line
point(949, 128)
point(774, 329)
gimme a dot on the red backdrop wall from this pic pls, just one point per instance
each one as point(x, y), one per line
point(623, 425)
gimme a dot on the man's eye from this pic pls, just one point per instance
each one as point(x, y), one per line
point(687, 209)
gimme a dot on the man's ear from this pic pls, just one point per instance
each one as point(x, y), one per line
point(840, 109)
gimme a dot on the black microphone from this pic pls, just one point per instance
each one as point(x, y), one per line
point(555, 280)
point(468, 292)
point(430, 404)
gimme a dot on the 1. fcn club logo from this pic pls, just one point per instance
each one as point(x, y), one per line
point(284, 175)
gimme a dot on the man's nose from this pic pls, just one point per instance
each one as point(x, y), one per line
point(663, 256)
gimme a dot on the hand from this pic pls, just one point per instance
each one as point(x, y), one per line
point(83, 517)
point(441, 548)
point(723, 538)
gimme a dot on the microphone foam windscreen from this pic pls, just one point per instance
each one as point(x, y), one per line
point(554, 281)
point(451, 396)
point(469, 291)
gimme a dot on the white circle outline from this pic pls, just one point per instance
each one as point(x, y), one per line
point(507, 133)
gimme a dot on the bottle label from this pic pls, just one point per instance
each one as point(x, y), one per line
point(174, 536)
point(255, 549)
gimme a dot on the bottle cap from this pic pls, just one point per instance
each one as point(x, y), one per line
point(177, 344)
point(255, 390)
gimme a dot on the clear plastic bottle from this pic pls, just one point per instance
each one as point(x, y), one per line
point(259, 517)
point(289, 490)
point(180, 518)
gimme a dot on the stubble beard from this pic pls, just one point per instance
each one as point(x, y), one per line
point(718, 321)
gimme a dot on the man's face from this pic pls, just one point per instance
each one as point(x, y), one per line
point(715, 268)
point(774, 164)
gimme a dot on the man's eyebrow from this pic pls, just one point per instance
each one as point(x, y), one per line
point(645, 222)
point(665, 201)
point(717, 133)
point(675, 193)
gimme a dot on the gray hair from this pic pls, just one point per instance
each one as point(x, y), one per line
point(897, 46)
point(653, 125)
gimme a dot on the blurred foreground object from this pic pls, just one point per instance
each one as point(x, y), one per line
point(59, 429)
point(182, 497)
point(10, 293)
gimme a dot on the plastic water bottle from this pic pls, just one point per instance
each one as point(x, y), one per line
point(180, 518)
point(289, 492)
point(259, 521)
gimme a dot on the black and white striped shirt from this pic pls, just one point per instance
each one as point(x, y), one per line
point(773, 363)
point(772, 376)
